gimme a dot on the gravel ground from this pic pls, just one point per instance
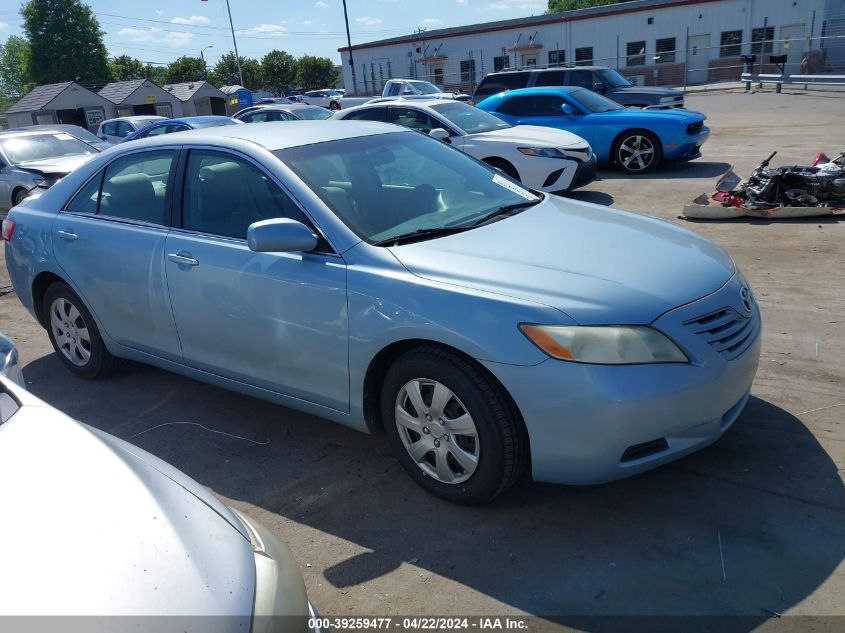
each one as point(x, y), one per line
point(753, 525)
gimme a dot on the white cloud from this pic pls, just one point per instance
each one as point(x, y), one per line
point(159, 11)
point(139, 35)
point(307, 22)
point(321, 5)
point(3, 25)
point(276, 30)
point(498, 6)
point(462, 1)
point(432, 21)
point(178, 38)
point(194, 19)
point(369, 21)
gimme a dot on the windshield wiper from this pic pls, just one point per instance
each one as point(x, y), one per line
point(420, 234)
point(501, 212)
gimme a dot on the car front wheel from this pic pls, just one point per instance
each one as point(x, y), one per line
point(637, 152)
point(453, 429)
point(74, 334)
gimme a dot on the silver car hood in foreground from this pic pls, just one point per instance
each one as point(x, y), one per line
point(598, 265)
point(95, 526)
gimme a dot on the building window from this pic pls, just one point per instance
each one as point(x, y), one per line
point(468, 71)
point(635, 52)
point(502, 62)
point(731, 44)
point(530, 62)
point(762, 39)
point(437, 76)
point(584, 56)
point(557, 58)
point(665, 51)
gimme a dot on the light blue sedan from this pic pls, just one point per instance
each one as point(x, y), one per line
point(377, 277)
point(635, 140)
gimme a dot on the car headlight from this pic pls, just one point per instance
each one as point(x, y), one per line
point(605, 345)
point(43, 183)
point(544, 152)
point(667, 99)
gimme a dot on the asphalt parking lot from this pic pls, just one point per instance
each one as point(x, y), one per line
point(752, 526)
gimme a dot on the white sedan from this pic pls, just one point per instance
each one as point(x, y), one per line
point(541, 158)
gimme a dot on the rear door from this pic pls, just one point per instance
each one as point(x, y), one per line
point(273, 320)
point(109, 240)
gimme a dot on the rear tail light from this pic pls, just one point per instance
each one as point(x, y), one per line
point(8, 229)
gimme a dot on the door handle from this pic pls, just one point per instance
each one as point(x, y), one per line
point(182, 258)
point(67, 235)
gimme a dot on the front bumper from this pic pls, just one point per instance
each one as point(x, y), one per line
point(688, 150)
point(556, 175)
point(585, 174)
point(590, 424)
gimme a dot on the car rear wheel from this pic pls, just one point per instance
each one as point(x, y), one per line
point(453, 429)
point(74, 334)
point(637, 152)
point(19, 196)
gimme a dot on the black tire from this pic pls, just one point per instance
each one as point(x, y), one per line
point(18, 196)
point(502, 444)
point(637, 140)
point(503, 166)
point(334, 105)
point(100, 362)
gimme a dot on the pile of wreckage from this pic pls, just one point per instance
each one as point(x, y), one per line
point(785, 192)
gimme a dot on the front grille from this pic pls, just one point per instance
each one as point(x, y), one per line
point(726, 331)
point(695, 128)
point(638, 451)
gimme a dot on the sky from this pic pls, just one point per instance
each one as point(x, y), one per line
point(159, 31)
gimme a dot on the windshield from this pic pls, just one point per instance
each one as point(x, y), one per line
point(471, 120)
point(84, 135)
point(22, 149)
point(311, 114)
point(388, 185)
point(614, 78)
point(425, 88)
point(593, 102)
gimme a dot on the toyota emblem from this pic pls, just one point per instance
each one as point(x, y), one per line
point(745, 300)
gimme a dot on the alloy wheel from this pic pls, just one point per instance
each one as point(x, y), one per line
point(437, 430)
point(636, 153)
point(70, 332)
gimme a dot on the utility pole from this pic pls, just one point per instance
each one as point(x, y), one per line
point(349, 44)
point(235, 42)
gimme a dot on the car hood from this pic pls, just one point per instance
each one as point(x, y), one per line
point(653, 90)
point(533, 135)
point(598, 265)
point(96, 526)
point(626, 115)
point(61, 165)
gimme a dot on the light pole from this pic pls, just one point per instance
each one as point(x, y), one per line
point(349, 43)
point(202, 57)
point(235, 42)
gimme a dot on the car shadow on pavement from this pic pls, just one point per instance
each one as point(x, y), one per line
point(595, 197)
point(692, 169)
point(750, 526)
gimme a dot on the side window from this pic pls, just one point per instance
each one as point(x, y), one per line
point(279, 116)
point(156, 131)
point(494, 84)
point(582, 79)
point(124, 129)
point(517, 106)
point(176, 128)
point(369, 114)
point(87, 198)
point(224, 194)
point(394, 89)
point(135, 187)
point(414, 119)
point(551, 78)
point(109, 129)
point(548, 105)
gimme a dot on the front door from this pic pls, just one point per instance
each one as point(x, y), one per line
point(698, 58)
point(110, 243)
point(273, 320)
point(793, 44)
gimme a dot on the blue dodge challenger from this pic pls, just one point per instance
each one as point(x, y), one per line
point(635, 140)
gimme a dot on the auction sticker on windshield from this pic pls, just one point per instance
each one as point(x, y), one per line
point(507, 184)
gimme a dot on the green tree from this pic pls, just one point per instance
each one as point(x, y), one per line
point(124, 68)
point(65, 41)
point(156, 74)
point(568, 5)
point(185, 69)
point(225, 72)
point(14, 80)
point(279, 71)
point(316, 72)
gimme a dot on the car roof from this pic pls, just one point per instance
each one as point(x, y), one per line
point(195, 119)
point(39, 132)
point(545, 90)
point(278, 135)
point(135, 117)
point(511, 71)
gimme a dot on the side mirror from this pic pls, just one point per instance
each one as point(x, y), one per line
point(280, 235)
point(599, 87)
point(440, 134)
point(567, 110)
